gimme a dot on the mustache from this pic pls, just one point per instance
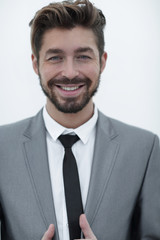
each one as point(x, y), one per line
point(65, 80)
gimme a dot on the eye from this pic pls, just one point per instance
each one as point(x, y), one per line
point(55, 59)
point(83, 57)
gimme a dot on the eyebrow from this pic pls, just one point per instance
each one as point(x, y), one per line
point(54, 51)
point(78, 50)
point(84, 49)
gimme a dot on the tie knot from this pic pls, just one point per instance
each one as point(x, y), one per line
point(68, 140)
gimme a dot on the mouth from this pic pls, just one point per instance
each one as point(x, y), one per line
point(70, 90)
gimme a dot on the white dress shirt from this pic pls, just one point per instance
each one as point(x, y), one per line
point(83, 152)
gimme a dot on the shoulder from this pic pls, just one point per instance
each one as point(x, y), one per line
point(15, 125)
point(127, 134)
point(13, 131)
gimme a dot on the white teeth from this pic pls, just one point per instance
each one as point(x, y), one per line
point(69, 88)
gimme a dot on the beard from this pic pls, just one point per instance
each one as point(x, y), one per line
point(70, 104)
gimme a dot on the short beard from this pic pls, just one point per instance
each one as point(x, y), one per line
point(70, 105)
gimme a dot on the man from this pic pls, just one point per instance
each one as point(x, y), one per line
point(118, 165)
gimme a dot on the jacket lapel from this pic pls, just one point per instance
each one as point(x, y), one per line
point(106, 149)
point(35, 150)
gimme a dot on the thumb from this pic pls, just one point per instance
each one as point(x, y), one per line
point(49, 233)
point(85, 227)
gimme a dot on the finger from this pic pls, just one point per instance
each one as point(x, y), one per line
point(85, 227)
point(49, 233)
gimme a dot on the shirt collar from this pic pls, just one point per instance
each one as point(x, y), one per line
point(54, 129)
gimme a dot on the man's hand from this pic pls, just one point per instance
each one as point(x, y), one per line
point(49, 233)
point(87, 231)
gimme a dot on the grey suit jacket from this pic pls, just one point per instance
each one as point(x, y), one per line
point(124, 195)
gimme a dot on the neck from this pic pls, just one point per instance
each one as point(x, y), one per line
point(71, 120)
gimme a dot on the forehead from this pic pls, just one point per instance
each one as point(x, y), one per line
point(69, 39)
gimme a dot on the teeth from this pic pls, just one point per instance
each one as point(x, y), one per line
point(69, 88)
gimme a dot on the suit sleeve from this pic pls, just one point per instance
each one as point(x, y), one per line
point(150, 197)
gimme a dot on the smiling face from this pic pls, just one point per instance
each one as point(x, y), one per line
point(69, 68)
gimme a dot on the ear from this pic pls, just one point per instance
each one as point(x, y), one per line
point(35, 63)
point(103, 61)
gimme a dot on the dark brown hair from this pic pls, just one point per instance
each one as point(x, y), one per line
point(67, 14)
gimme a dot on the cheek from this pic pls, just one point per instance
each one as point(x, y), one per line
point(92, 72)
point(48, 72)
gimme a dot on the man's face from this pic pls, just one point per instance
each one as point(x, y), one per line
point(69, 67)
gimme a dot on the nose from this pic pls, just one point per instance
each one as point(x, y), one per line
point(69, 69)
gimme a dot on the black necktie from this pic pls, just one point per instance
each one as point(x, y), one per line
point(71, 186)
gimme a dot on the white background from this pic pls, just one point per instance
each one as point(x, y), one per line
point(130, 86)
